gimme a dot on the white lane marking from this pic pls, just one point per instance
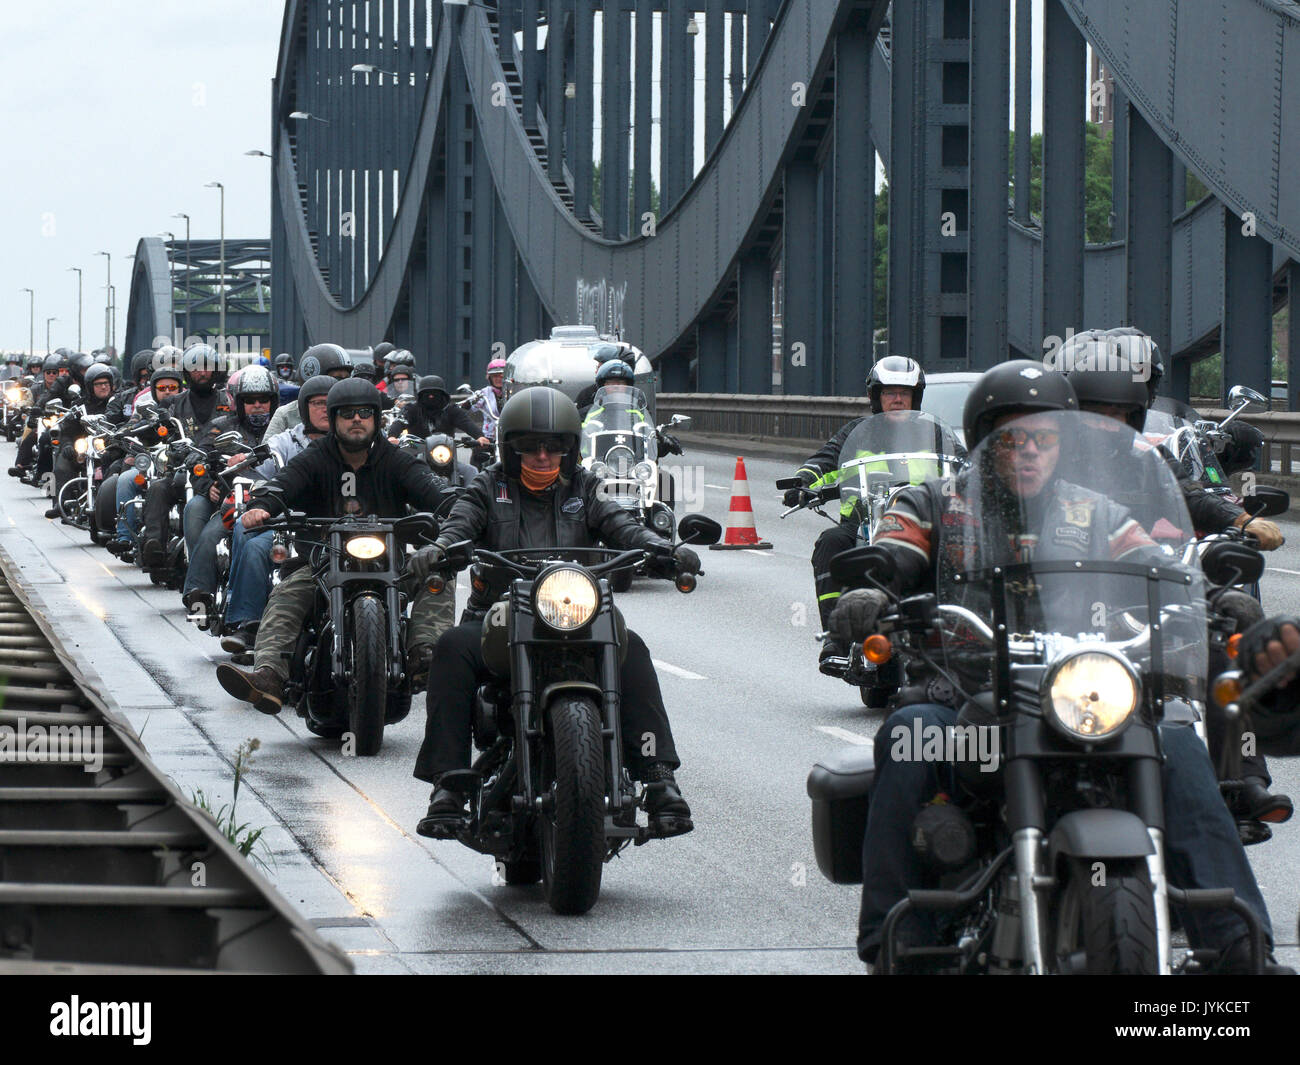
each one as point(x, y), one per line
point(845, 734)
point(1279, 569)
point(677, 671)
point(719, 487)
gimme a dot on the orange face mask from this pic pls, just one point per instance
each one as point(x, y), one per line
point(538, 482)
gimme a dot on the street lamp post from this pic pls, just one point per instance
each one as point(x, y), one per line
point(47, 333)
point(112, 318)
point(222, 319)
point(183, 215)
point(78, 269)
point(108, 317)
point(31, 323)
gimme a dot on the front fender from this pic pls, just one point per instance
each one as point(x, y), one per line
point(1099, 834)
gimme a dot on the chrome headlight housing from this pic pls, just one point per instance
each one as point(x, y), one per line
point(600, 471)
point(365, 548)
point(1091, 694)
point(50, 421)
point(99, 444)
point(566, 598)
point(643, 472)
point(142, 463)
point(441, 455)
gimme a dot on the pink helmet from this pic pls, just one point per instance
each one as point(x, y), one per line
point(496, 366)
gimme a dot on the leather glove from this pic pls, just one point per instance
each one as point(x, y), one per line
point(671, 444)
point(1269, 535)
point(1274, 721)
point(687, 560)
point(855, 615)
point(425, 561)
point(794, 496)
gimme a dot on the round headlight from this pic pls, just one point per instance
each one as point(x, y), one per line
point(99, 443)
point(142, 463)
point(1090, 695)
point(12, 395)
point(600, 471)
point(662, 520)
point(279, 552)
point(566, 599)
point(441, 455)
point(80, 446)
point(365, 547)
point(51, 421)
point(644, 472)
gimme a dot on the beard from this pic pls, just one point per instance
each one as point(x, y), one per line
point(356, 447)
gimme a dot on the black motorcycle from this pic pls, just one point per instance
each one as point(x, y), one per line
point(549, 796)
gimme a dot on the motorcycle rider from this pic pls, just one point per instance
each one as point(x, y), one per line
point(1201, 839)
point(363, 368)
point(46, 388)
point(283, 366)
point(119, 407)
point(384, 481)
point(330, 359)
point(486, 403)
point(253, 395)
point(98, 384)
point(164, 385)
point(539, 496)
point(249, 581)
point(399, 376)
point(433, 413)
point(896, 382)
point(13, 367)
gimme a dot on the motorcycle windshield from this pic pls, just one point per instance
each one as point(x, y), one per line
point(1180, 438)
point(619, 431)
point(887, 451)
point(1034, 545)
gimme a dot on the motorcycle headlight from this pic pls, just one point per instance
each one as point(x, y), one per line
point(643, 472)
point(51, 421)
point(662, 521)
point(99, 444)
point(441, 455)
point(600, 471)
point(160, 462)
point(365, 547)
point(80, 446)
point(12, 395)
point(566, 598)
point(142, 463)
point(1090, 695)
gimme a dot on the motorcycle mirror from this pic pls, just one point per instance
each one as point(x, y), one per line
point(1240, 393)
point(1224, 562)
point(697, 529)
point(415, 527)
point(1266, 502)
point(786, 483)
point(860, 566)
point(682, 420)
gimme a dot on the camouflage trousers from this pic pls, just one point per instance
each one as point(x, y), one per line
point(294, 597)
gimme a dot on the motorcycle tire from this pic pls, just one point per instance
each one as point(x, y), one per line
point(71, 503)
point(522, 873)
point(368, 693)
point(572, 829)
point(106, 506)
point(1113, 924)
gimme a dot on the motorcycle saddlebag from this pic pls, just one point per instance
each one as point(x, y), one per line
point(840, 788)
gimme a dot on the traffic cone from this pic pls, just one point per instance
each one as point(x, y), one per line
point(740, 527)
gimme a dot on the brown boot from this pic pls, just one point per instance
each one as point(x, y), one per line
point(261, 687)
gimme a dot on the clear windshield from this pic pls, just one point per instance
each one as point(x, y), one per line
point(1030, 537)
point(1180, 439)
point(618, 430)
point(886, 451)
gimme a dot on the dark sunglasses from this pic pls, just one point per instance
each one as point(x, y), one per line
point(1044, 439)
point(349, 413)
point(531, 445)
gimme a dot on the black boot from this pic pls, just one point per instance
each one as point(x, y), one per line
point(832, 648)
point(1235, 961)
point(446, 813)
point(669, 814)
point(1256, 803)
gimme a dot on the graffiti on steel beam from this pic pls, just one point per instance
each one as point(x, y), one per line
point(601, 304)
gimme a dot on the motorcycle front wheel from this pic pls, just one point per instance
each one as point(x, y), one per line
point(572, 822)
point(368, 693)
point(1107, 925)
point(72, 502)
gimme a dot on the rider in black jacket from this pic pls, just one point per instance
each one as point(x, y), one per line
point(539, 496)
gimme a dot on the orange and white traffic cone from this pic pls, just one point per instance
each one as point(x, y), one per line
point(740, 527)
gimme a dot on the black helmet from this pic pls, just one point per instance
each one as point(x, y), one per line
point(896, 371)
point(34, 362)
point(104, 358)
point(1020, 386)
point(1123, 349)
point(140, 362)
point(79, 364)
point(381, 351)
point(363, 368)
point(323, 358)
point(355, 392)
point(94, 373)
point(1113, 386)
point(253, 381)
point(196, 357)
point(398, 361)
point(283, 360)
point(164, 373)
point(615, 370)
point(53, 363)
point(319, 385)
point(431, 383)
point(605, 352)
point(539, 411)
point(14, 356)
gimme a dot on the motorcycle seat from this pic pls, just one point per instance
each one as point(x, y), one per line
point(840, 788)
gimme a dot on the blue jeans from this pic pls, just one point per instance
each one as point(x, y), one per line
point(202, 572)
point(1202, 848)
point(197, 512)
point(127, 489)
point(250, 575)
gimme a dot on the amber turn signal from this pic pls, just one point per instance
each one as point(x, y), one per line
point(200, 470)
point(1226, 688)
point(1234, 644)
point(162, 430)
point(877, 649)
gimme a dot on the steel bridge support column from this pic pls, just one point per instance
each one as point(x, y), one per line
point(614, 119)
point(439, 254)
point(528, 318)
point(532, 72)
point(758, 24)
point(555, 110)
point(641, 121)
point(1293, 336)
point(674, 372)
point(754, 325)
point(1024, 107)
point(1065, 77)
point(677, 96)
point(802, 344)
point(1120, 166)
point(853, 212)
point(714, 40)
point(986, 280)
point(907, 222)
point(1247, 308)
point(584, 115)
point(736, 80)
point(711, 344)
point(1150, 228)
point(503, 286)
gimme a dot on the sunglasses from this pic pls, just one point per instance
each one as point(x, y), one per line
point(531, 445)
point(1044, 439)
point(350, 413)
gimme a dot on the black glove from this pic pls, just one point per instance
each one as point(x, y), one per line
point(855, 615)
point(425, 561)
point(1244, 609)
point(794, 496)
point(670, 444)
point(1255, 640)
point(687, 560)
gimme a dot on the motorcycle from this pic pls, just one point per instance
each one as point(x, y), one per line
point(620, 446)
point(13, 400)
point(884, 454)
point(76, 499)
point(1055, 759)
point(348, 673)
point(549, 796)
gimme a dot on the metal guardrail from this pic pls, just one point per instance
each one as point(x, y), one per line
point(103, 864)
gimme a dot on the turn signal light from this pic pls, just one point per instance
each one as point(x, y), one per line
point(877, 649)
point(200, 470)
point(686, 582)
point(436, 583)
point(1234, 644)
point(140, 479)
point(1226, 688)
point(162, 430)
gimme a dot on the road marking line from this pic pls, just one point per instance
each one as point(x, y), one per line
point(846, 735)
point(719, 487)
point(677, 671)
point(1279, 569)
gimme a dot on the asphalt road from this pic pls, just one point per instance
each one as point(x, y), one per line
point(750, 713)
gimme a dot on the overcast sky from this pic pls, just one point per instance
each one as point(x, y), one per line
point(114, 117)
